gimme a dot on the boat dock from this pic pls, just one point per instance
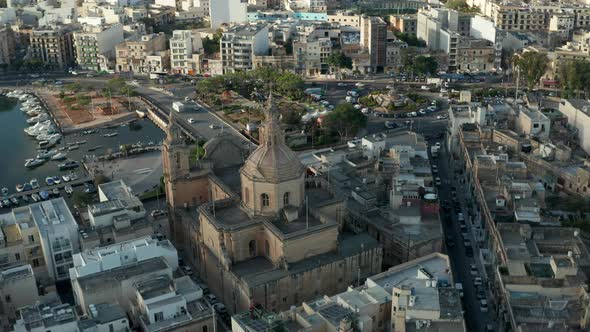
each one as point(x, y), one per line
point(47, 188)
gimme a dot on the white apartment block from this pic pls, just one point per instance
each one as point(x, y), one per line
point(95, 42)
point(49, 235)
point(43, 317)
point(228, 12)
point(183, 45)
point(107, 274)
point(311, 56)
point(577, 112)
point(240, 44)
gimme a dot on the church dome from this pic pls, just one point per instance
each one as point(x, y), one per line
point(273, 161)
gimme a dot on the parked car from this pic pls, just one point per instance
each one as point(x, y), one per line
point(191, 120)
point(473, 269)
point(211, 298)
point(483, 305)
point(220, 308)
point(477, 281)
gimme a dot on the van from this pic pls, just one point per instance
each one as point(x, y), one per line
point(460, 216)
point(459, 287)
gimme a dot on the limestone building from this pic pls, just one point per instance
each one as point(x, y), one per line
point(271, 236)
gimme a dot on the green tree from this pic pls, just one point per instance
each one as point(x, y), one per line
point(339, 61)
point(574, 78)
point(424, 65)
point(81, 198)
point(462, 6)
point(532, 66)
point(345, 120)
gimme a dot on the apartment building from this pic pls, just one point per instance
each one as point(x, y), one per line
point(542, 284)
point(442, 29)
point(311, 55)
point(476, 55)
point(20, 243)
point(52, 316)
point(184, 45)
point(53, 46)
point(345, 19)
point(7, 45)
point(227, 12)
point(240, 44)
point(119, 216)
point(44, 235)
point(412, 296)
point(405, 23)
point(18, 288)
point(132, 56)
point(95, 45)
point(374, 40)
point(577, 112)
point(306, 5)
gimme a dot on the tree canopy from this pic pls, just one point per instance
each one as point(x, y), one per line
point(345, 120)
point(410, 39)
point(574, 78)
point(339, 60)
point(424, 65)
point(532, 66)
point(462, 6)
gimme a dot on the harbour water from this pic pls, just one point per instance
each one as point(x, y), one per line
point(16, 146)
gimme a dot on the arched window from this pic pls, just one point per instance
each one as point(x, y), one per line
point(267, 248)
point(246, 195)
point(265, 200)
point(286, 199)
point(252, 248)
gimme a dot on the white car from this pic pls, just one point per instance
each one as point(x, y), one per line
point(473, 269)
point(359, 85)
point(477, 281)
point(213, 126)
point(437, 181)
point(483, 305)
point(390, 87)
point(441, 117)
point(191, 120)
point(365, 110)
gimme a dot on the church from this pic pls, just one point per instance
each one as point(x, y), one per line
point(257, 228)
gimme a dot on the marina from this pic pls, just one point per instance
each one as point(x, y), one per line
point(27, 160)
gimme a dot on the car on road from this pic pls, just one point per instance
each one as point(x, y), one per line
point(359, 85)
point(477, 281)
point(211, 298)
point(157, 213)
point(459, 287)
point(89, 75)
point(473, 269)
point(187, 270)
point(480, 293)
point(422, 112)
point(441, 117)
point(365, 110)
point(437, 181)
point(58, 83)
point(434, 169)
point(341, 84)
point(191, 120)
point(213, 126)
point(390, 87)
point(467, 243)
point(390, 125)
point(483, 305)
point(187, 98)
point(220, 308)
point(450, 243)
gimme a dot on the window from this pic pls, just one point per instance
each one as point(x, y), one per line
point(31, 238)
point(252, 247)
point(265, 200)
point(286, 199)
point(17, 256)
point(246, 195)
point(35, 262)
point(266, 247)
point(204, 328)
point(158, 316)
point(7, 299)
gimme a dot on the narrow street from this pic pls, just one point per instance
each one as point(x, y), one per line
point(475, 319)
